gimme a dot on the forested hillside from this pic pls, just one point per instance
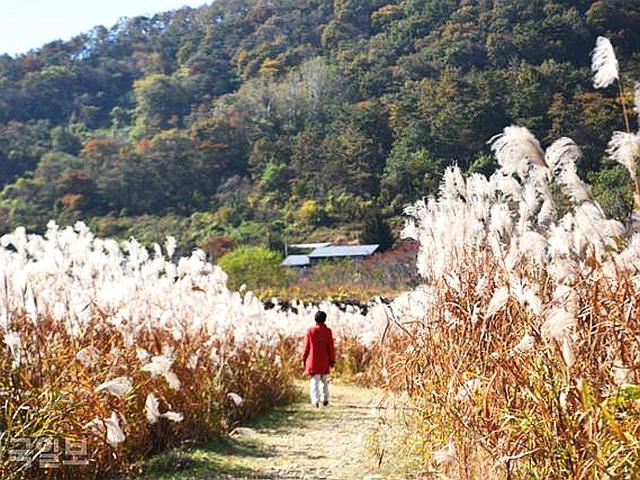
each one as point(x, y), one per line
point(296, 119)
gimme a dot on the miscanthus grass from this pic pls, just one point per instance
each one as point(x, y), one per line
point(525, 361)
point(127, 352)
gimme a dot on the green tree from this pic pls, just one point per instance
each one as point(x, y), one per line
point(161, 102)
point(256, 267)
point(376, 230)
point(613, 189)
point(409, 175)
point(63, 140)
point(21, 147)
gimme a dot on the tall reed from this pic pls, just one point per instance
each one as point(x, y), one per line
point(525, 362)
point(123, 352)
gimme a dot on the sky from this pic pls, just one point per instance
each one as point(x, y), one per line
point(27, 24)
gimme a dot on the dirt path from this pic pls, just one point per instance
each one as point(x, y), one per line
point(294, 442)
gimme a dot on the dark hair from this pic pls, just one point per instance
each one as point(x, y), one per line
point(321, 317)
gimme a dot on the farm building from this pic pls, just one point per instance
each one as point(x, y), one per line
point(325, 251)
point(297, 261)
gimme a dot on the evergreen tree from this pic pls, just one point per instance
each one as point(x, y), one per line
point(376, 230)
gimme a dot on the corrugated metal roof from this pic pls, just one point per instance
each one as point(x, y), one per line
point(296, 261)
point(344, 251)
point(309, 245)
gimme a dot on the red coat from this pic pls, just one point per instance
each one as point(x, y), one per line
point(319, 351)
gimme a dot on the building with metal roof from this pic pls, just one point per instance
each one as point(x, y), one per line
point(334, 251)
point(297, 261)
point(343, 251)
point(323, 251)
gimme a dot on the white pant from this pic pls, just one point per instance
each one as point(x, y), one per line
point(316, 395)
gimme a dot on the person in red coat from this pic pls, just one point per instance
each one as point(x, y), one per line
point(318, 358)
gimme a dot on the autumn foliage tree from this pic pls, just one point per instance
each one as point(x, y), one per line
point(252, 112)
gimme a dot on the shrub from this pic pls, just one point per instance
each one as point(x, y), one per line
point(310, 213)
point(216, 247)
point(255, 267)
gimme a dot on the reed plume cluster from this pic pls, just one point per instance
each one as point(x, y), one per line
point(526, 361)
point(127, 352)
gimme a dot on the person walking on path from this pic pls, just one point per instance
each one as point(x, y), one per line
point(318, 358)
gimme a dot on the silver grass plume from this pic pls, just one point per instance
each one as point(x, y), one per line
point(516, 149)
point(547, 213)
point(534, 246)
point(453, 185)
point(500, 223)
point(624, 148)
point(604, 64)
point(636, 100)
point(498, 301)
point(562, 152)
point(528, 205)
point(592, 227)
point(562, 156)
point(446, 455)
point(541, 177)
point(525, 345)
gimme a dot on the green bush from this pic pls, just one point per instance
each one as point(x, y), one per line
point(613, 189)
point(257, 267)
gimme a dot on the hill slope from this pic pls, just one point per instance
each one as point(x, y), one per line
point(263, 119)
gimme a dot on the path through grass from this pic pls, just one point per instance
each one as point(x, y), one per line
point(298, 441)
